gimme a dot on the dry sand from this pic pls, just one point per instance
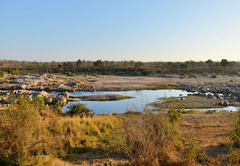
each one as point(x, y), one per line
point(135, 82)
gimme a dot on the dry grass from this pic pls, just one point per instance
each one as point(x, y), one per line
point(75, 140)
point(190, 102)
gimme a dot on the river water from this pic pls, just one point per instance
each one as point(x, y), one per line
point(142, 97)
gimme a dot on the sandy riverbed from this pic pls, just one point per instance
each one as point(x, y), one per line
point(131, 82)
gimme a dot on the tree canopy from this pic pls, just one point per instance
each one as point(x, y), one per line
point(224, 62)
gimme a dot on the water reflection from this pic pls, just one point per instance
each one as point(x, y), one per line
point(142, 97)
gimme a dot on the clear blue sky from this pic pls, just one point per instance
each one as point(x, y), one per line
point(149, 30)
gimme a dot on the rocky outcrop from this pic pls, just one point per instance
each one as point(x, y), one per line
point(6, 96)
point(224, 103)
point(218, 90)
point(210, 112)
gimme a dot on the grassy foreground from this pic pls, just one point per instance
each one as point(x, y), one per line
point(31, 134)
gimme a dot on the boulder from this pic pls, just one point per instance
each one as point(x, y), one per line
point(65, 94)
point(221, 103)
point(210, 112)
point(48, 100)
point(22, 86)
point(226, 103)
point(62, 99)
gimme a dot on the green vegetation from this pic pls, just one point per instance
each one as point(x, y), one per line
point(110, 97)
point(1, 74)
point(70, 74)
point(32, 134)
point(79, 109)
point(188, 102)
point(169, 99)
point(214, 76)
point(144, 139)
point(164, 86)
point(132, 68)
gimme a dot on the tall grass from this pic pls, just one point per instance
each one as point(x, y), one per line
point(30, 135)
point(143, 139)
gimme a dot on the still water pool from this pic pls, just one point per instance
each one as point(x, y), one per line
point(142, 97)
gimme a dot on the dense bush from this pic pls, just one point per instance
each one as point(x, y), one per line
point(70, 74)
point(1, 74)
point(38, 101)
point(10, 71)
point(31, 136)
point(235, 132)
point(79, 109)
point(214, 76)
point(174, 116)
point(205, 74)
point(19, 133)
point(143, 139)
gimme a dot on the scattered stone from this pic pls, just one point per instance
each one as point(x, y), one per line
point(210, 112)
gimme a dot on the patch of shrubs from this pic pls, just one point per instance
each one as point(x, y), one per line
point(214, 76)
point(79, 109)
point(1, 74)
point(70, 74)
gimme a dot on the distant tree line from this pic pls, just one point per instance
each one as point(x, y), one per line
point(121, 67)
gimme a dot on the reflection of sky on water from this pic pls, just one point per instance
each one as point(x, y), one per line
point(228, 108)
point(142, 97)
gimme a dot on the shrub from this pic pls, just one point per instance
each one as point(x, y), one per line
point(73, 74)
point(235, 132)
point(145, 72)
point(19, 134)
point(195, 76)
point(238, 74)
point(191, 150)
point(160, 71)
point(10, 71)
point(1, 74)
point(79, 109)
point(144, 139)
point(214, 76)
point(68, 73)
point(38, 101)
point(174, 116)
point(205, 74)
point(57, 106)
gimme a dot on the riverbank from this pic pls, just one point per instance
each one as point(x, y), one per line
point(36, 85)
point(191, 102)
point(101, 82)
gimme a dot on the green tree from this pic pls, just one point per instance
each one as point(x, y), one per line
point(38, 101)
point(98, 63)
point(224, 63)
point(209, 61)
point(57, 106)
point(184, 66)
point(138, 65)
point(1, 74)
point(79, 109)
point(79, 63)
